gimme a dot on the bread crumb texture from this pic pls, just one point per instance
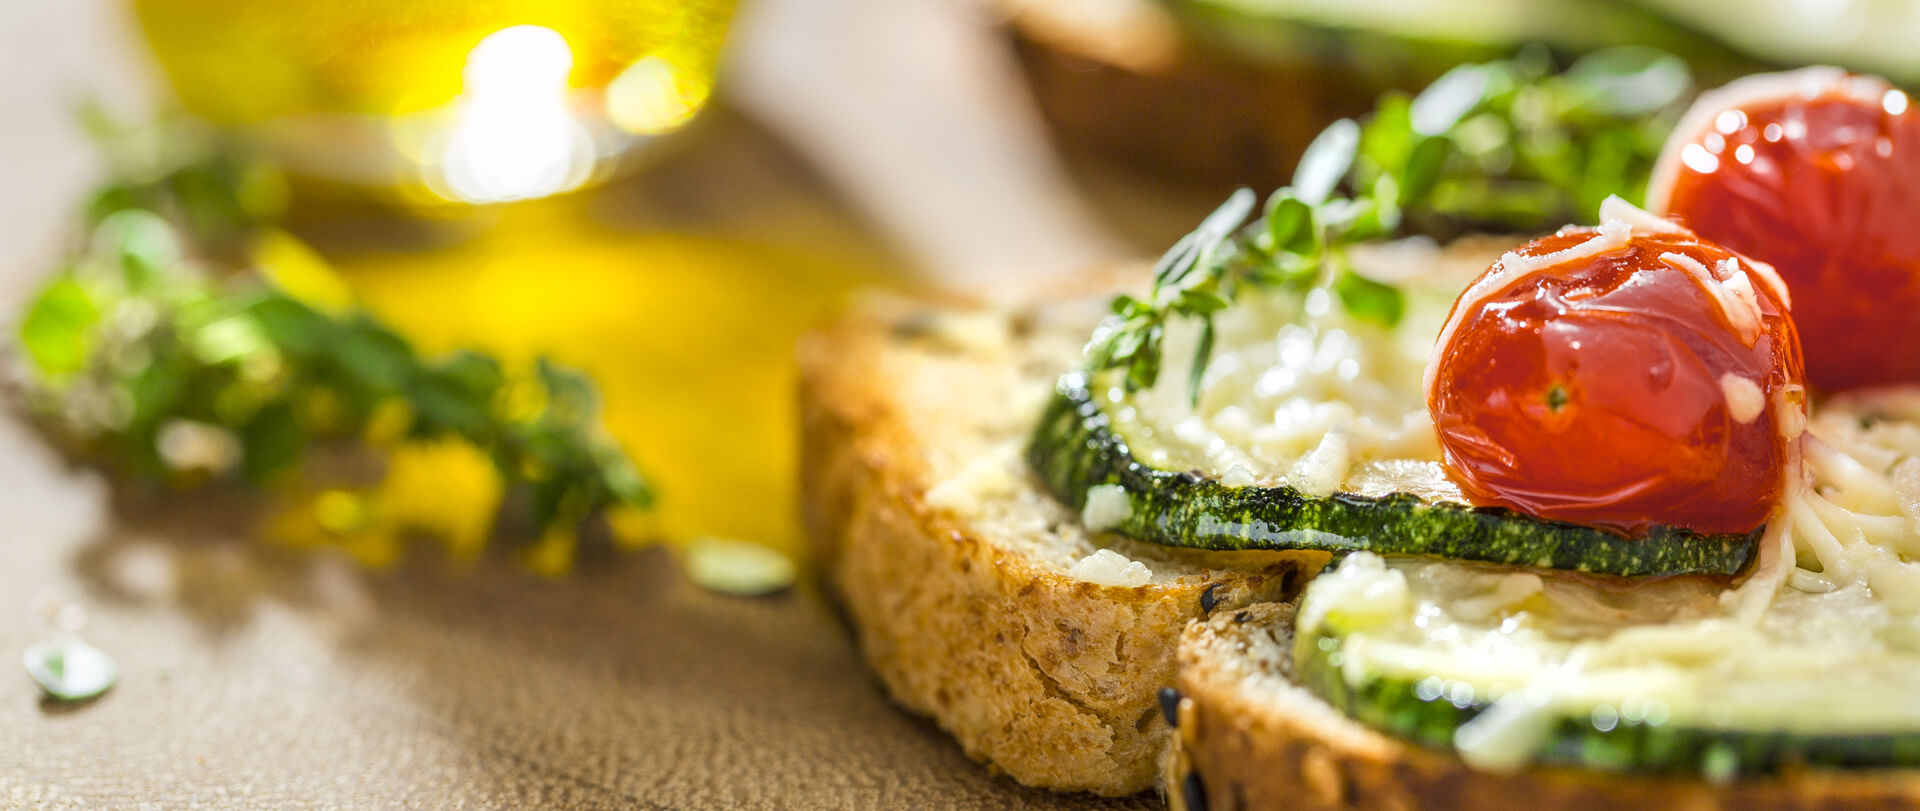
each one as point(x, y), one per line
point(977, 598)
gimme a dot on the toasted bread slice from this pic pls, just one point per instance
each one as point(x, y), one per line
point(1250, 738)
point(976, 596)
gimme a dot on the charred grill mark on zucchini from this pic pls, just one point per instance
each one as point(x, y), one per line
point(1075, 448)
point(1631, 746)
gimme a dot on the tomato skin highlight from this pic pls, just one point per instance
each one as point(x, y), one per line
point(1816, 172)
point(1601, 391)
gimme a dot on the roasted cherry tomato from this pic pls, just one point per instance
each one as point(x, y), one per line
point(1621, 377)
point(1818, 173)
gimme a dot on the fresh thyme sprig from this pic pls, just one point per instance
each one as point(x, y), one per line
point(141, 356)
point(1505, 145)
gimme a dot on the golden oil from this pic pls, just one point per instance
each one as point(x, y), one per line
point(412, 93)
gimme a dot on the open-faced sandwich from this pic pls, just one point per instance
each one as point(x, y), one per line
point(1624, 515)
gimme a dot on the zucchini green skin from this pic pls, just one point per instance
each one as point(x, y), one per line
point(1075, 448)
point(1394, 706)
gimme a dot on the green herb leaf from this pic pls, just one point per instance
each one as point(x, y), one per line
point(271, 442)
point(1369, 300)
point(622, 478)
point(570, 396)
point(1448, 100)
point(1202, 302)
point(374, 355)
point(1424, 164)
point(1628, 81)
point(1325, 162)
point(1176, 261)
point(291, 326)
point(1143, 364)
point(1100, 352)
point(1290, 225)
point(155, 390)
point(134, 348)
point(229, 339)
point(142, 241)
point(478, 376)
point(1387, 136)
point(58, 328)
point(1212, 231)
point(447, 402)
point(1201, 356)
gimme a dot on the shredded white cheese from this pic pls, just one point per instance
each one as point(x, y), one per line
point(1692, 266)
point(1363, 587)
point(1323, 469)
point(1745, 401)
point(1906, 485)
point(992, 475)
point(1790, 410)
point(1771, 278)
point(1833, 600)
point(1617, 208)
point(1287, 371)
point(1503, 739)
point(1732, 295)
point(1107, 507)
point(1106, 567)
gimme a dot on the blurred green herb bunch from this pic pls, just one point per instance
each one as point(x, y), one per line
point(187, 339)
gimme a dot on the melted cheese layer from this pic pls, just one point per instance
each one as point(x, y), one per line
point(1299, 392)
point(1824, 636)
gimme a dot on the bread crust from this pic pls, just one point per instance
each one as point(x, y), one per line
point(1046, 678)
point(1243, 750)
